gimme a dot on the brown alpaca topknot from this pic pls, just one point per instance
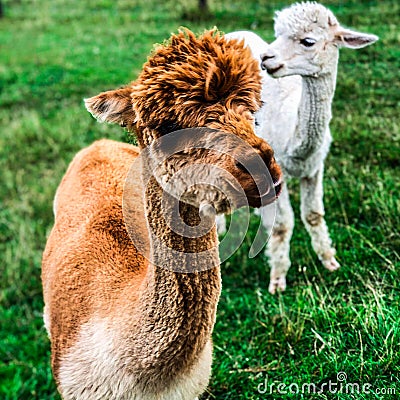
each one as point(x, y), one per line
point(187, 82)
point(190, 81)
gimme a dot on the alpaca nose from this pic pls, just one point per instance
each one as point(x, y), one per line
point(274, 169)
point(265, 57)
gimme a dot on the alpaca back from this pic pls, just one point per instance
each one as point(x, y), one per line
point(93, 290)
point(95, 257)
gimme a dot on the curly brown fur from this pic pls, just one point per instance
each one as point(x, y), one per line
point(192, 82)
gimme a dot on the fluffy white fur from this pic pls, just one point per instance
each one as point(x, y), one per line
point(295, 118)
point(100, 367)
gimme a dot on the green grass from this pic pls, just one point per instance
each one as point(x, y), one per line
point(53, 53)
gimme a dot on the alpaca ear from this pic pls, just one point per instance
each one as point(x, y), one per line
point(353, 39)
point(114, 106)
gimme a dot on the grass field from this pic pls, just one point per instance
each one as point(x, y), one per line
point(53, 53)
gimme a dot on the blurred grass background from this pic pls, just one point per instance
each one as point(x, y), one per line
point(53, 53)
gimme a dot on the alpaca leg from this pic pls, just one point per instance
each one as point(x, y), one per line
point(312, 214)
point(278, 246)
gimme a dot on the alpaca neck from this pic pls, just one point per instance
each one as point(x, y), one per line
point(314, 114)
point(178, 309)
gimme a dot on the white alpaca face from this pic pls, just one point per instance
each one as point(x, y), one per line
point(307, 54)
point(307, 40)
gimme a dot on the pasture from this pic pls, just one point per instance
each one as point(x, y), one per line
point(54, 53)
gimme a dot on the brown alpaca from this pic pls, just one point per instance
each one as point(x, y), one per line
point(124, 323)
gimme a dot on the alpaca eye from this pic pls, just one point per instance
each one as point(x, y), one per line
point(308, 42)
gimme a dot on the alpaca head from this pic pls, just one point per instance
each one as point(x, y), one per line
point(308, 36)
point(187, 83)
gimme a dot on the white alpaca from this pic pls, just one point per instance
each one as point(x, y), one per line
point(295, 118)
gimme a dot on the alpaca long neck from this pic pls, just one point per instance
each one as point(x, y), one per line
point(182, 286)
point(314, 114)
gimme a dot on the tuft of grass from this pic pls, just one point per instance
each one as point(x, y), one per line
point(55, 53)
